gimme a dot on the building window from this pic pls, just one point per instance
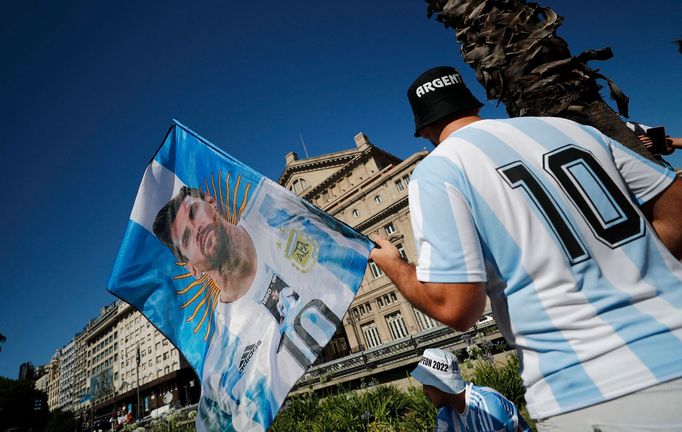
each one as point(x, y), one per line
point(401, 250)
point(376, 271)
point(389, 229)
point(387, 299)
point(300, 185)
point(355, 213)
point(377, 199)
point(425, 322)
point(371, 335)
point(406, 179)
point(396, 325)
point(399, 185)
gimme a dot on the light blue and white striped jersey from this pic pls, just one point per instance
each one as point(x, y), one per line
point(545, 210)
point(486, 411)
point(257, 354)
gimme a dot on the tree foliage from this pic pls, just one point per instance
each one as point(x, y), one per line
point(61, 421)
point(21, 405)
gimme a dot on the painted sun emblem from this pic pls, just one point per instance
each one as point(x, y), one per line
point(204, 292)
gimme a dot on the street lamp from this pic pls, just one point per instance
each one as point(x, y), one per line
point(137, 377)
point(351, 320)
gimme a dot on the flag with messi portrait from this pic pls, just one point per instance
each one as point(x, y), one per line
point(246, 279)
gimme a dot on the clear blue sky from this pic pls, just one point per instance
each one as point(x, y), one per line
point(88, 89)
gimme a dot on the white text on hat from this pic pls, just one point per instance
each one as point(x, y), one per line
point(438, 83)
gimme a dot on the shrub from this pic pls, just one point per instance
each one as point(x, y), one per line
point(501, 376)
point(379, 408)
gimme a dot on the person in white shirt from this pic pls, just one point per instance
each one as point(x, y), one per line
point(464, 406)
point(575, 239)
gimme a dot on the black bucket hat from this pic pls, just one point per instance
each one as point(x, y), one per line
point(437, 93)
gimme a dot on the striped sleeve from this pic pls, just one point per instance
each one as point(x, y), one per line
point(644, 179)
point(448, 247)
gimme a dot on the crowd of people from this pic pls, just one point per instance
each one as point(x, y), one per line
point(121, 418)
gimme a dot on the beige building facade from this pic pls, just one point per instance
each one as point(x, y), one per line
point(53, 384)
point(365, 187)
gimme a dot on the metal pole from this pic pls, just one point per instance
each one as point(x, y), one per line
point(137, 377)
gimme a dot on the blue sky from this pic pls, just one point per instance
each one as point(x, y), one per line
point(88, 90)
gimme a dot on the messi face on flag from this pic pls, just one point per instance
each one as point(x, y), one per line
point(249, 281)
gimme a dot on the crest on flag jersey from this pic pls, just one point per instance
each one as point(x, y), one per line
point(246, 279)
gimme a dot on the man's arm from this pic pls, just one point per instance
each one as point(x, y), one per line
point(664, 212)
point(457, 305)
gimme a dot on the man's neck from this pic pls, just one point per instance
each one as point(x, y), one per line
point(455, 125)
point(458, 402)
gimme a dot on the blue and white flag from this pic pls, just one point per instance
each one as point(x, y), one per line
point(249, 281)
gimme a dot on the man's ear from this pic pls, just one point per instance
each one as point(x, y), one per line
point(195, 271)
point(209, 199)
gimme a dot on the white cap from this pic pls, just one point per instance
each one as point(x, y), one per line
point(438, 368)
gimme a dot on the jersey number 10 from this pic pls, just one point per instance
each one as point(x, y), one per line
point(610, 214)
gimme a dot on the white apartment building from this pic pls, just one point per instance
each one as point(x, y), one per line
point(67, 375)
point(42, 382)
point(101, 362)
point(158, 357)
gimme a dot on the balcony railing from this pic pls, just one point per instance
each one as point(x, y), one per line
point(386, 354)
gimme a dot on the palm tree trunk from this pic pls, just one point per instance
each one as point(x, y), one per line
point(513, 48)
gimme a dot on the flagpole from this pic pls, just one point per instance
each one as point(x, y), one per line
point(305, 150)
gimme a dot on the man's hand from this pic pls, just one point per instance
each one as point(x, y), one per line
point(386, 254)
point(646, 141)
point(457, 305)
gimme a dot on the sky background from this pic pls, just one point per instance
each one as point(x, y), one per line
point(88, 90)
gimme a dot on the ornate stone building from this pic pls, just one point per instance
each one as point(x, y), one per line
point(53, 374)
point(366, 188)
